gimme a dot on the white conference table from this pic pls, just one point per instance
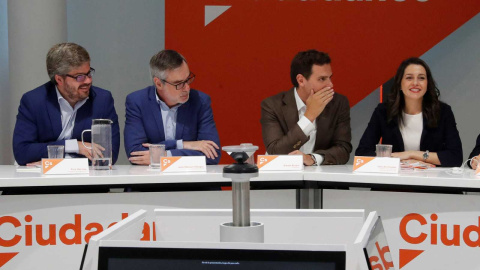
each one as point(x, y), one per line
point(18, 176)
point(434, 179)
point(309, 183)
point(315, 188)
point(127, 175)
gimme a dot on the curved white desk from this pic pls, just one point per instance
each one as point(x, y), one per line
point(86, 213)
point(441, 179)
point(126, 175)
point(14, 176)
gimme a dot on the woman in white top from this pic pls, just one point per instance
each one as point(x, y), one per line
point(414, 121)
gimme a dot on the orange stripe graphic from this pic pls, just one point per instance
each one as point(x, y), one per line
point(48, 164)
point(168, 161)
point(264, 160)
point(361, 161)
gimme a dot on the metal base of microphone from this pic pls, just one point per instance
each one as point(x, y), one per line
point(254, 233)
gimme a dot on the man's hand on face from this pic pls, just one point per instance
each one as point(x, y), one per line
point(140, 157)
point(316, 102)
point(206, 147)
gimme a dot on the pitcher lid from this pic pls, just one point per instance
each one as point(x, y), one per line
point(101, 121)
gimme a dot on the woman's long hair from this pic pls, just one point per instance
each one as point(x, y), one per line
point(430, 103)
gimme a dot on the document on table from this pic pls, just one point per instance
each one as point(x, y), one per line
point(35, 168)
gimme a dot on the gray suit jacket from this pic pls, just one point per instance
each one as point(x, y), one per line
point(282, 135)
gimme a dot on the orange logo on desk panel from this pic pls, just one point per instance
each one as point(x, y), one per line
point(361, 161)
point(48, 164)
point(73, 233)
point(264, 160)
point(167, 162)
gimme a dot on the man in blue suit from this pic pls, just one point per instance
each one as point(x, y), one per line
point(170, 113)
point(57, 112)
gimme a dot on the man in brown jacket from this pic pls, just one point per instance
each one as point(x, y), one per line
point(310, 119)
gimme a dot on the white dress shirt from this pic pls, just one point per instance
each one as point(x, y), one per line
point(169, 119)
point(309, 128)
point(68, 115)
point(411, 130)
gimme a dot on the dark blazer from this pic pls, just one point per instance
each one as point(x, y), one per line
point(282, 135)
point(39, 122)
point(444, 139)
point(476, 151)
point(143, 123)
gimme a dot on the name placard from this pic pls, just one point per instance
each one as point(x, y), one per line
point(65, 166)
point(280, 163)
point(183, 164)
point(376, 164)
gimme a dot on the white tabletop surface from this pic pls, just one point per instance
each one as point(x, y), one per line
point(20, 176)
point(15, 176)
point(434, 177)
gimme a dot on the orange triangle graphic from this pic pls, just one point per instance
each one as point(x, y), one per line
point(6, 257)
point(407, 255)
point(264, 160)
point(48, 164)
point(167, 162)
point(360, 161)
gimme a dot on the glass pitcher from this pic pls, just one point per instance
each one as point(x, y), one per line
point(101, 143)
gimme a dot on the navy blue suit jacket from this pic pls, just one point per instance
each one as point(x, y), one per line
point(143, 123)
point(444, 139)
point(39, 122)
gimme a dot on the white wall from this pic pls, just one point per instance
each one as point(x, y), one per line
point(6, 155)
point(120, 45)
point(455, 64)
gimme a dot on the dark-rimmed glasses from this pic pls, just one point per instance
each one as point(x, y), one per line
point(181, 85)
point(82, 77)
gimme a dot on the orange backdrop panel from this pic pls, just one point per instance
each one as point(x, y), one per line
point(244, 55)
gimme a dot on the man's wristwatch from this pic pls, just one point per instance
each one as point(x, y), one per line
point(314, 160)
point(426, 155)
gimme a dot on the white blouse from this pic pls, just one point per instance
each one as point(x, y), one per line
point(411, 130)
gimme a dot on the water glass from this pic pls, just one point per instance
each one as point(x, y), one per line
point(55, 151)
point(157, 151)
point(384, 150)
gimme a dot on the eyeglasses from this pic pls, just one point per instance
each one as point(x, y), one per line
point(181, 85)
point(82, 77)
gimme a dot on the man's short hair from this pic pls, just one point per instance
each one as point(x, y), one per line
point(164, 61)
point(303, 62)
point(63, 57)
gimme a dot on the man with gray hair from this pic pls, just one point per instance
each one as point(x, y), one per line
point(57, 112)
point(170, 113)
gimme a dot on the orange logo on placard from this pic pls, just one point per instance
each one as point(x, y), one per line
point(168, 161)
point(361, 161)
point(48, 164)
point(264, 160)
